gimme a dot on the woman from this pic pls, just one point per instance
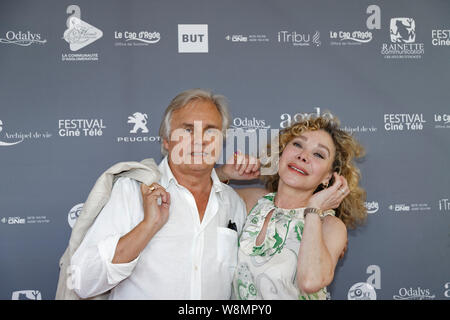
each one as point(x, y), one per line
point(271, 262)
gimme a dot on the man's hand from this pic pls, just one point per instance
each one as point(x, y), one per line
point(155, 215)
point(239, 167)
point(331, 197)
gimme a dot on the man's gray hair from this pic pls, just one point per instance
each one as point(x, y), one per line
point(182, 100)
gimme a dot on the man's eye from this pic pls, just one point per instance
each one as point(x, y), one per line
point(188, 130)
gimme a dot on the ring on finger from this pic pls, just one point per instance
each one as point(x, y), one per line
point(342, 191)
point(152, 188)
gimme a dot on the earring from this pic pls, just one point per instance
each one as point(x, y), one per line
point(325, 185)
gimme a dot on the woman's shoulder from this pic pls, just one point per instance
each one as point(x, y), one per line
point(251, 196)
point(335, 225)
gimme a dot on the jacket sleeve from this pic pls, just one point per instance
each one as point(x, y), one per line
point(92, 269)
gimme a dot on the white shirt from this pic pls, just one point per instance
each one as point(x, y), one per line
point(185, 259)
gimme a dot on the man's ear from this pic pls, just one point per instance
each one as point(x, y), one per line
point(165, 144)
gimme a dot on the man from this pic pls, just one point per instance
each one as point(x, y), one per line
point(175, 239)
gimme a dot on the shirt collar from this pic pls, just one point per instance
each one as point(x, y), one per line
point(167, 176)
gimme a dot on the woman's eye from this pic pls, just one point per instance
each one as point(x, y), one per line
point(188, 130)
point(296, 144)
point(319, 155)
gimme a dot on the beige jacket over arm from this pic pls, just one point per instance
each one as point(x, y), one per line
point(145, 171)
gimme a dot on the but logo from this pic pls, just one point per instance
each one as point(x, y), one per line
point(192, 38)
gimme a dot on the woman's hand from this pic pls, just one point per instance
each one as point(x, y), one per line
point(239, 167)
point(155, 216)
point(331, 197)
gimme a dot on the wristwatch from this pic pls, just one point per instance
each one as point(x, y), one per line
point(320, 213)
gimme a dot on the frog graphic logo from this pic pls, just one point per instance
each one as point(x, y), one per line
point(140, 122)
point(403, 30)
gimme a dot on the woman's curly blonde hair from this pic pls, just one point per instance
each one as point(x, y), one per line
point(352, 210)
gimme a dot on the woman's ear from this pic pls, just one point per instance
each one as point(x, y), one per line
point(327, 179)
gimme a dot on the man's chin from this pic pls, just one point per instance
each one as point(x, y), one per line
point(196, 162)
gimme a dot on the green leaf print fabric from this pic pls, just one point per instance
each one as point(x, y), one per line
point(268, 271)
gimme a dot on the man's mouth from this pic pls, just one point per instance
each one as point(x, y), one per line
point(298, 170)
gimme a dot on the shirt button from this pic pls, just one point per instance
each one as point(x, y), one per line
point(196, 268)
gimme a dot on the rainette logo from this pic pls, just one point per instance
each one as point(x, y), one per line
point(403, 30)
point(403, 44)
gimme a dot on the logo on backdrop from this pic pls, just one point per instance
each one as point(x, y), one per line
point(251, 38)
point(442, 121)
point(444, 204)
point(26, 295)
point(193, 38)
point(366, 290)
point(74, 213)
point(447, 290)
point(138, 122)
point(81, 127)
point(403, 44)
point(372, 207)
point(414, 294)
point(358, 37)
point(440, 37)
point(8, 139)
point(141, 38)
point(402, 30)
point(24, 39)
point(288, 119)
point(249, 125)
point(27, 220)
point(403, 121)
point(298, 39)
point(5, 144)
point(79, 34)
point(409, 207)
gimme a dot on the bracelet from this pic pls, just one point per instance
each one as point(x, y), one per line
point(312, 210)
point(319, 212)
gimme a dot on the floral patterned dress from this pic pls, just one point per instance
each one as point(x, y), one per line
point(269, 271)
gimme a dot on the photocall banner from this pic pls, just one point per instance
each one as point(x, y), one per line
point(84, 84)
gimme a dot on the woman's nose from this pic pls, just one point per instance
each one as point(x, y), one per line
point(302, 156)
